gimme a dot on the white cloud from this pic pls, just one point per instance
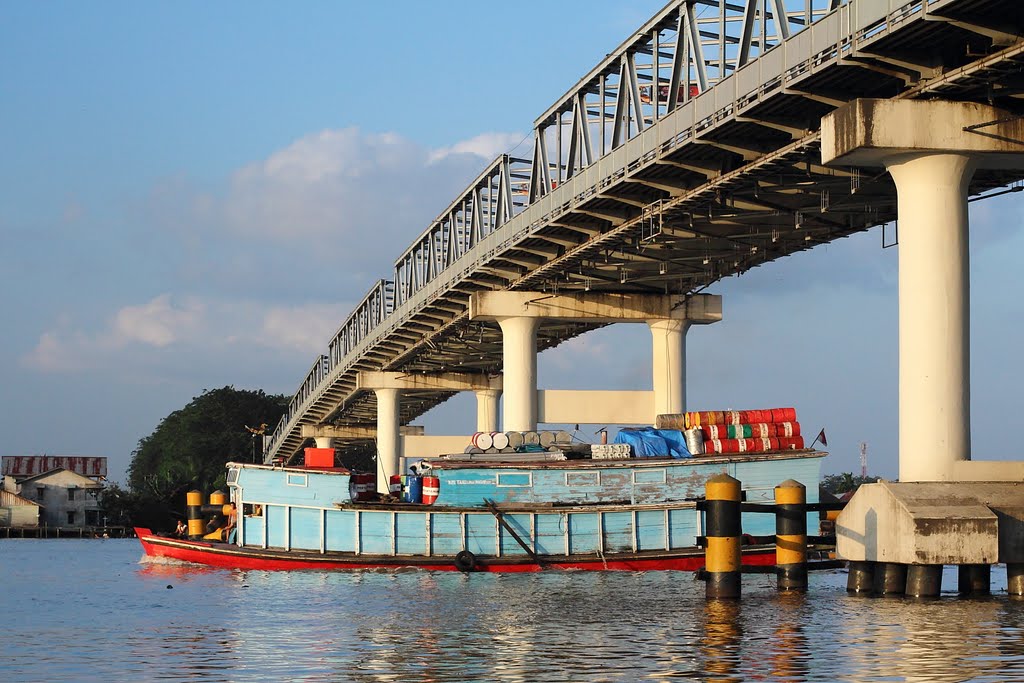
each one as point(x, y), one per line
point(486, 145)
point(352, 186)
point(157, 322)
point(306, 329)
point(181, 333)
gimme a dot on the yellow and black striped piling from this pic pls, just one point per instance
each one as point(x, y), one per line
point(219, 499)
point(194, 511)
point(791, 536)
point(722, 553)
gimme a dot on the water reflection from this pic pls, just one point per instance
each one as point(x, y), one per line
point(425, 627)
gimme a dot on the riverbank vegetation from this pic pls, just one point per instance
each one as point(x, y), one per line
point(188, 450)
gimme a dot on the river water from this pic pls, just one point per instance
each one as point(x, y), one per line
point(96, 610)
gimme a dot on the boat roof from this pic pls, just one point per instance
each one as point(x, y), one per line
point(440, 464)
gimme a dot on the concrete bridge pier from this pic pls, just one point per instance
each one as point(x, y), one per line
point(389, 442)
point(389, 387)
point(668, 355)
point(520, 314)
point(487, 409)
point(519, 371)
point(946, 508)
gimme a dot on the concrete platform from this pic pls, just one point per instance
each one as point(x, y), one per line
point(934, 523)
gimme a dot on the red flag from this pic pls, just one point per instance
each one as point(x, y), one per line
point(821, 437)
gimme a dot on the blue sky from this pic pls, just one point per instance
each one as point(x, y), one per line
point(195, 194)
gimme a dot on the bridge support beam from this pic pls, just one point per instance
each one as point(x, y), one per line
point(931, 149)
point(520, 313)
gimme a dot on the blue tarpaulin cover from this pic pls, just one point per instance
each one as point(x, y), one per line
point(648, 442)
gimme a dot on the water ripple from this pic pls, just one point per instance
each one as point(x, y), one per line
point(105, 616)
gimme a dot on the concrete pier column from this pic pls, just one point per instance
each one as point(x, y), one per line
point(519, 367)
point(389, 441)
point(487, 410)
point(890, 578)
point(974, 579)
point(669, 363)
point(324, 442)
point(924, 580)
point(861, 578)
point(934, 335)
point(1015, 578)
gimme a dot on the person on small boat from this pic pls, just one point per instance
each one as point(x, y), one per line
point(230, 530)
point(181, 530)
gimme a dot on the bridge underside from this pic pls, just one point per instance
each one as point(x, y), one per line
point(748, 189)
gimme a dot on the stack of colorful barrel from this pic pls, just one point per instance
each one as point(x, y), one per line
point(741, 431)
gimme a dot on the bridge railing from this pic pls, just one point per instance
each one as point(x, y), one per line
point(479, 223)
point(317, 373)
point(490, 201)
point(377, 305)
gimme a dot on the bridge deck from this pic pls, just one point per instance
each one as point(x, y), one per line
point(721, 183)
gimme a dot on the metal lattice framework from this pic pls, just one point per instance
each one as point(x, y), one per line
point(689, 154)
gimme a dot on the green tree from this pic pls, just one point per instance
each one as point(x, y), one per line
point(189, 448)
point(838, 484)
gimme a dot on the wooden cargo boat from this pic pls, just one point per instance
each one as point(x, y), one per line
point(629, 514)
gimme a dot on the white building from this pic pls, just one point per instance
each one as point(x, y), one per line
point(67, 499)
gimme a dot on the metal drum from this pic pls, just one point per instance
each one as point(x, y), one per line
point(694, 440)
point(414, 489)
point(395, 485)
point(515, 439)
point(499, 440)
point(531, 438)
point(547, 439)
point(483, 440)
point(431, 489)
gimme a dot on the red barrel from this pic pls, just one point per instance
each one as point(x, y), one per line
point(787, 429)
point(791, 443)
point(395, 485)
point(483, 440)
point(431, 489)
point(730, 445)
point(783, 414)
point(363, 486)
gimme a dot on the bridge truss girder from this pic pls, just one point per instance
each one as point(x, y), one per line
point(740, 187)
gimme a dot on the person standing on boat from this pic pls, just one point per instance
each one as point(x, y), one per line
point(229, 530)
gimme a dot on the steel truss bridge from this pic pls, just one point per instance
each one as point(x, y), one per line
point(689, 154)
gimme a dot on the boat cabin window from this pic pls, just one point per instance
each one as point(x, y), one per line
point(649, 476)
point(295, 479)
point(515, 478)
point(232, 475)
point(582, 478)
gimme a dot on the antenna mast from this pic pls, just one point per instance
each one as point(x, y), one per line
point(863, 460)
